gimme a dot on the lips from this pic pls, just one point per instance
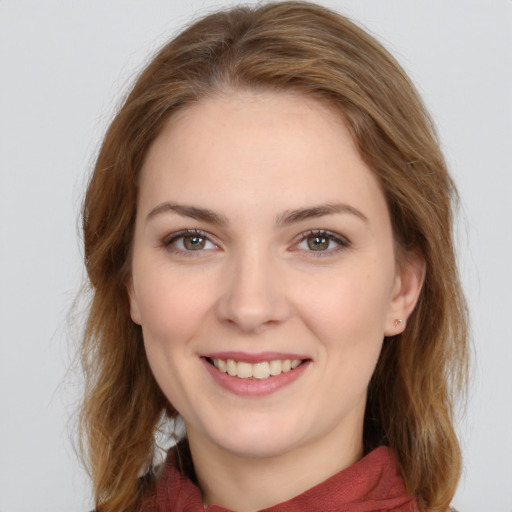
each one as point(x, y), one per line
point(255, 374)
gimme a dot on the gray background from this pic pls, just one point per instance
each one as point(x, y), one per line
point(64, 65)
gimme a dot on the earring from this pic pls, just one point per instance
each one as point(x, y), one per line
point(398, 322)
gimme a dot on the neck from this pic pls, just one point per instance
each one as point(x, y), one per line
point(248, 484)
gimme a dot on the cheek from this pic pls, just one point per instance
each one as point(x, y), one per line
point(355, 302)
point(349, 312)
point(172, 307)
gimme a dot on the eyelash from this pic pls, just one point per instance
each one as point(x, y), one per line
point(341, 241)
point(169, 241)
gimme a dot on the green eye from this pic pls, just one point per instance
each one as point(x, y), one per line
point(189, 241)
point(322, 242)
point(318, 243)
point(193, 242)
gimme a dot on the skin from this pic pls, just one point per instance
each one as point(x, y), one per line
point(255, 285)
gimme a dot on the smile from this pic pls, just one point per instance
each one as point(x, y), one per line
point(255, 375)
point(260, 370)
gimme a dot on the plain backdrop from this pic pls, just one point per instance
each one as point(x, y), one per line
point(63, 68)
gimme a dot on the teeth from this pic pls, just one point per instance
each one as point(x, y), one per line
point(232, 367)
point(262, 370)
point(244, 370)
point(276, 367)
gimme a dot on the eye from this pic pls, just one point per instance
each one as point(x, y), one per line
point(321, 241)
point(189, 241)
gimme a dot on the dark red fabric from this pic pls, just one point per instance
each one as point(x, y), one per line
point(371, 485)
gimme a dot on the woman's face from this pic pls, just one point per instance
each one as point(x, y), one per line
point(263, 242)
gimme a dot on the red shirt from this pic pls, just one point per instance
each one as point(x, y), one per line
point(371, 485)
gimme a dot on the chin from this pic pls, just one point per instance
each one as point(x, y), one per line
point(260, 447)
point(254, 440)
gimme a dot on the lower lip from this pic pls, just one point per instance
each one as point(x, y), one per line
point(255, 387)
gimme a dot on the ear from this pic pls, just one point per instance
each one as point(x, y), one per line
point(134, 304)
point(408, 283)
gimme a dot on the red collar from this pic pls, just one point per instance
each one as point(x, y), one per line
point(371, 485)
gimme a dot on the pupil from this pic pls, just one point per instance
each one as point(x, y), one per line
point(318, 243)
point(194, 242)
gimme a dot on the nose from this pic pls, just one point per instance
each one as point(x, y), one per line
point(253, 293)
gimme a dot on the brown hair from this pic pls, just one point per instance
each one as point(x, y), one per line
point(308, 49)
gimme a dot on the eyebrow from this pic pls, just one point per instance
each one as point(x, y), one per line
point(189, 211)
point(292, 216)
point(285, 219)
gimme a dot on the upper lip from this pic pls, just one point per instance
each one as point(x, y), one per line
point(254, 357)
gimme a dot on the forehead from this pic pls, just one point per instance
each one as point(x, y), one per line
point(251, 147)
point(278, 123)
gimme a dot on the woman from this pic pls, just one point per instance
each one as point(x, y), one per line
point(268, 240)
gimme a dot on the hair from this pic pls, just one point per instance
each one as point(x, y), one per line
point(291, 47)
